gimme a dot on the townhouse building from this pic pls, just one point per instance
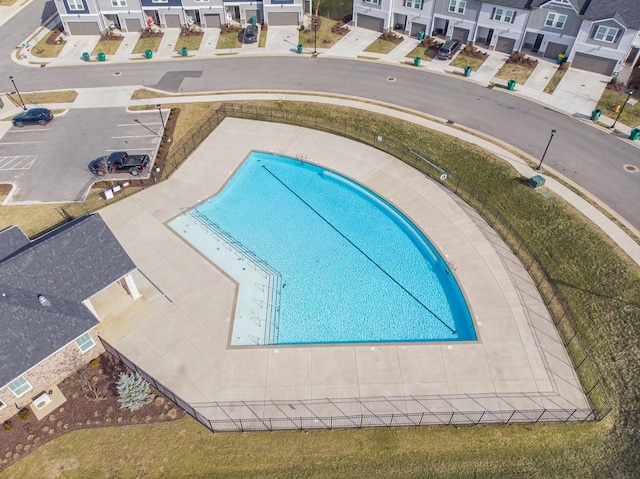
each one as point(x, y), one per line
point(596, 35)
point(93, 17)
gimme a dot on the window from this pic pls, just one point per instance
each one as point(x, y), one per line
point(118, 3)
point(457, 6)
point(375, 2)
point(75, 5)
point(19, 386)
point(555, 20)
point(2, 405)
point(606, 34)
point(502, 15)
point(413, 4)
point(159, 1)
point(85, 342)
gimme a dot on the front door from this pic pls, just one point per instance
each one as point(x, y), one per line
point(538, 42)
point(490, 36)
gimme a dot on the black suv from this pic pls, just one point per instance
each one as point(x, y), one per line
point(448, 49)
point(250, 34)
point(41, 116)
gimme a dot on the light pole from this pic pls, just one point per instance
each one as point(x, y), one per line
point(553, 132)
point(629, 93)
point(161, 119)
point(315, 37)
point(16, 89)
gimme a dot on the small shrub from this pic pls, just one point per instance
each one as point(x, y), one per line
point(24, 414)
point(94, 363)
point(301, 28)
point(8, 425)
point(133, 391)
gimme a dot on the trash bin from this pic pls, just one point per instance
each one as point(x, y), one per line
point(467, 71)
point(511, 84)
point(148, 54)
point(253, 21)
point(635, 134)
point(101, 56)
point(416, 61)
point(421, 35)
point(185, 52)
point(86, 57)
point(299, 50)
point(561, 58)
point(595, 114)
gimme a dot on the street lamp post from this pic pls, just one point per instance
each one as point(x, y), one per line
point(161, 119)
point(553, 132)
point(629, 93)
point(16, 89)
point(315, 37)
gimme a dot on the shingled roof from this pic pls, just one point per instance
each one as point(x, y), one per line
point(66, 266)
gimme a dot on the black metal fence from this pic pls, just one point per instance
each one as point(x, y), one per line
point(582, 363)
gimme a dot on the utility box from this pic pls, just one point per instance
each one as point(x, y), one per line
point(536, 181)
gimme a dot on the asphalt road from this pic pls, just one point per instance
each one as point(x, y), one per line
point(591, 158)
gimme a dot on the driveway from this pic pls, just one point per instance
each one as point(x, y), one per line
point(579, 91)
point(281, 40)
point(353, 43)
point(50, 164)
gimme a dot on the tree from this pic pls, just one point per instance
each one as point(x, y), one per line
point(133, 391)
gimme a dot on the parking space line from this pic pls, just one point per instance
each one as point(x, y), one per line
point(138, 124)
point(134, 149)
point(134, 136)
point(21, 130)
point(23, 162)
point(21, 142)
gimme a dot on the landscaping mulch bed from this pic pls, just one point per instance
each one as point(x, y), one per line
point(150, 34)
point(55, 37)
point(92, 401)
point(230, 29)
point(472, 52)
point(522, 59)
point(391, 37)
point(185, 32)
point(340, 29)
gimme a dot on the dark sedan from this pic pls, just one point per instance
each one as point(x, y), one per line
point(250, 34)
point(41, 116)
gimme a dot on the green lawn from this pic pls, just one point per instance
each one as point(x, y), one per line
point(108, 47)
point(192, 42)
point(426, 54)
point(324, 37)
point(43, 49)
point(462, 60)
point(145, 44)
point(555, 80)
point(599, 284)
point(610, 100)
point(381, 46)
point(512, 71)
point(229, 40)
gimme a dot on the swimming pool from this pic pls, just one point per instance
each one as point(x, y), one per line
point(321, 259)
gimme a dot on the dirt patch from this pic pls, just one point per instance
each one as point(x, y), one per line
point(472, 52)
point(521, 59)
point(150, 34)
point(230, 29)
point(391, 37)
point(55, 37)
point(186, 32)
point(92, 401)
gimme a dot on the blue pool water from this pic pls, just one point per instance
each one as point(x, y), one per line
point(353, 268)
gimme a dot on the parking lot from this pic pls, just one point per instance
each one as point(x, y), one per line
point(50, 163)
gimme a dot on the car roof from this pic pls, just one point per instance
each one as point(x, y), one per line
point(39, 110)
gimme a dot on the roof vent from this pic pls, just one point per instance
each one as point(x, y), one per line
point(43, 300)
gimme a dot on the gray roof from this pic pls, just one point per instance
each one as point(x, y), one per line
point(625, 11)
point(11, 240)
point(67, 266)
point(521, 4)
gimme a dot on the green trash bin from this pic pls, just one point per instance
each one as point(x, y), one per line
point(101, 56)
point(148, 54)
point(185, 52)
point(299, 49)
point(595, 114)
point(467, 71)
point(253, 21)
point(86, 57)
point(416, 61)
point(635, 134)
point(421, 35)
point(511, 84)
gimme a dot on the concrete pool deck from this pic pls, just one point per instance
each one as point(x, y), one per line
point(178, 333)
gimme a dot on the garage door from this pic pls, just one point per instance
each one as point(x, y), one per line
point(212, 20)
point(253, 13)
point(417, 27)
point(281, 19)
point(591, 63)
point(172, 21)
point(554, 49)
point(460, 34)
point(505, 45)
point(83, 28)
point(133, 24)
point(369, 22)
